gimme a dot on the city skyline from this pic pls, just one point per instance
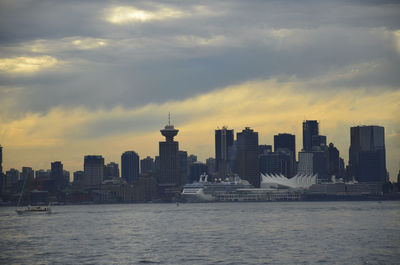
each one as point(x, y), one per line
point(119, 162)
point(101, 78)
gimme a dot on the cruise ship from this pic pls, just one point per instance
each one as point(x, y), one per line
point(273, 188)
point(204, 191)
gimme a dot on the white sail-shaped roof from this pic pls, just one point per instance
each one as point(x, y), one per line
point(299, 181)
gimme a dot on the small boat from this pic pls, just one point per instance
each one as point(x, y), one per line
point(29, 208)
point(34, 209)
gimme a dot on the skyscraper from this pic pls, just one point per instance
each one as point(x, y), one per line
point(27, 174)
point(313, 162)
point(79, 177)
point(211, 166)
point(130, 166)
point(93, 166)
point(57, 175)
point(247, 156)
point(3, 179)
point(112, 171)
point(169, 175)
point(1, 159)
point(367, 154)
point(286, 143)
point(264, 149)
point(183, 166)
point(223, 142)
point(336, 166)
point(398, 181)
point(319, 141)
point(197, 169)
point(12, 177)
point(147, 165)
point(285, 140)
point(277, 163)
point(310, 128)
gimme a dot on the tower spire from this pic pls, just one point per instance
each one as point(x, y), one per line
point(169, 118)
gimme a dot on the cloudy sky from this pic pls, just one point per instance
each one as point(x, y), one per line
point(93, 77)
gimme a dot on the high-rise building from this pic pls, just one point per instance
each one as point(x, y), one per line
point(264, 149)
point(112, 171)
point(57, 175)
point(79, 176)
point(310, 128)
point(287, 141)
point(94, 171)
point(211, 166)
point(147, 165)
point(157, 165)
point(183, 166)
point(169, 175)
point(223, 143)
point(42, 174)
point(130, 166)
point(280, 162)
point(398, 182)
point(336, 164)
point(1, 159)
point(247, 156)
point(313, 162)
point(197, 169)
point(3, 179)
point(27, 174)
point(318, 142)
point(12, 177)
point(66, 176)
point(367, 154)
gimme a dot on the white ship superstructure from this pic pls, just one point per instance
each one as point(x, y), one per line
point(273, 188)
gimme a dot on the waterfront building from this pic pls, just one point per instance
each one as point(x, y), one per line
point(112, 171)
point(285, 141)
point(310, 128)
point(93, 170)
point(169, 174)
point(223, 142)
point(367, 154)
point(145, 189)
point(147, 165)
point(247, 156)
point(130, 166)
point(196, 170)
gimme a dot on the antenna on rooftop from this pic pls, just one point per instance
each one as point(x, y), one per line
point(169, 118)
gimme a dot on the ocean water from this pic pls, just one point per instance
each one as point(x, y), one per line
point(210, 233)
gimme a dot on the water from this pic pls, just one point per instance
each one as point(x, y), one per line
point(214, 233)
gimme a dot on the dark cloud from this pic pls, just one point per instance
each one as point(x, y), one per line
point(217, 44)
